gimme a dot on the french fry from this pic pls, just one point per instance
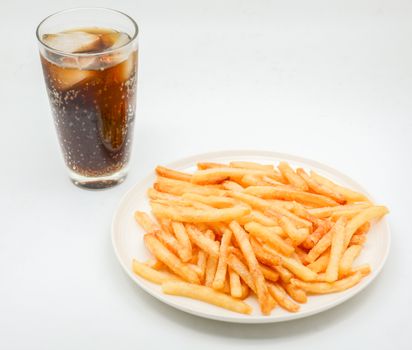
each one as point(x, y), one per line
point(209, 165)
point(268, 192)
point(364, 269)
point(276, 211)
point(211, 266)
point(350, 196)
point(154, 264)
point(187, 214)
point(336, 250)
point(245, 291)
point(301, 211)
point(201, 264)
point(363, 229)
point(297, 294)
point(177, 187)
point(360, 219)
point(270, 236)
point(315, 236)
point(202, 241)
point(252, 165)
point(218, 175)
point(252, 180)
point(280, 296)
point(321, 263)
point(257, 275)
point(232, 186)
point(235, 285)
point(169, 259)
point(320, 247)
point(325, 287)
point(151, 274)
point(269, 274)
point(260, 218)
point(296, 235)
point(293, 178)
point(183, 238)
point(207, 295)
point(319, 188)
point(264, 256)
point(330, 211)
point(173, 174)
point(220, 275)
point(241, 269)
point(348, 258)
point(358, 240)
point(213, 201)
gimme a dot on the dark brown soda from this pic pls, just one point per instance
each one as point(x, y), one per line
point(94, 109)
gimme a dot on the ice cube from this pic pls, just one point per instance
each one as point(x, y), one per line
point(73, 42)
point(66, 78)
point(114, 40)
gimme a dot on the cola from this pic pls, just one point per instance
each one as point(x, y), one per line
point(91, 76)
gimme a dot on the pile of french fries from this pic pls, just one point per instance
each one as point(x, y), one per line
point(229, 230)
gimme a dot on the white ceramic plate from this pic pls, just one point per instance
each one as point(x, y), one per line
point(127, 240)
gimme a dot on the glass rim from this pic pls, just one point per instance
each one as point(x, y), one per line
point(85, 54)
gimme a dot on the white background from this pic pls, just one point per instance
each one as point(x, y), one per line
point(327, 80)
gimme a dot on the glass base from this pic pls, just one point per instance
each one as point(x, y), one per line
point(98, 182)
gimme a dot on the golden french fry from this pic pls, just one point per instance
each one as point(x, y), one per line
point(330, 211)
point(261, 289)
point(268, 192)
point(325, 287)
point(232, 186)
point(209, 165)
point(358, 239)
point(154, 264)
point(218, 175)
point(320, 247)
point(202, 241)
point(293, 178)
point(177, 187)
point(321, 263)
point(252, 180)
point(207, 295)
point(280, 296)
point(350, 196)
point(213, 201)
point(252, 165)
point(336, 250)
point(151, 274)
point(363, 229)
point(319, 188)
point(245, 291)
point(360, 219)
point(241, 269)
point(169, 259)
point(348, 258)
point(316, 235)
point(193, 215)
point(220, 275)
point(235, 284)
point(364, 269)
point(268, 235)
point(150, 227)
point(269, 274)
point(201, 264)
point(211, 266)
point(301, 255)
point(183, 238)
point(297, 294)
point(297, 236)
point(302, 212)
point(264, 256)
point(173, 174)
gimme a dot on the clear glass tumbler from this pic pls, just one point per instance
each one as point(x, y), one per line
point(89, 58)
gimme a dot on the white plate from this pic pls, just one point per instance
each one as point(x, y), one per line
point(127, 239)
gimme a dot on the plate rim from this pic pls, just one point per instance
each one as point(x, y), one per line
point(247, 319)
